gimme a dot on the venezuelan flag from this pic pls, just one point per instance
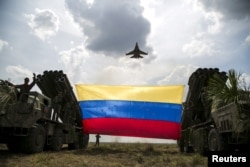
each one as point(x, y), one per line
point(138, 111)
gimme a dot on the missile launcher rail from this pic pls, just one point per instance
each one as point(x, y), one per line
point(45, 121)
point(51, 83)
point(205, 129)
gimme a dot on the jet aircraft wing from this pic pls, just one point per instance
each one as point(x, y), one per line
point(144, 53)
point(136, 52)
point(130, 53)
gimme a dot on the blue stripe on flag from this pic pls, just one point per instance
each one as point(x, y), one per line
point(131, 109)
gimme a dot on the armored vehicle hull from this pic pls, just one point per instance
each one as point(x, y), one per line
point(205, 129)
point(45, 121)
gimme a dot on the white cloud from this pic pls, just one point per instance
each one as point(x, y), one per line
point(214, 22)
point(179, 75)
point(88, 67)
point(247, 40)
point(44, 23)
point(199, 47)
point(3, 44)
point(122, 74)
point(173, 23)
point(74, 60)
point(18, 72)
point(74, 57)
point(246, 78)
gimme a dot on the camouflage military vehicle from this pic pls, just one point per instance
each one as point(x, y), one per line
point(44, 120)
point(205, 128)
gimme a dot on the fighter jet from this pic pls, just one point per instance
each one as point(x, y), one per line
point(136, 52)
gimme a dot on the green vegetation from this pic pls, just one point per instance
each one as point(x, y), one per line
point(107, 154)
point(223, 91)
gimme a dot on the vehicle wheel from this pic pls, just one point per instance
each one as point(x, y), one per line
point(14, 144)
point(73, 146)
point(34, 142)
point(202, 150)
point(200, 145)
point(180, 143)
point(57, 140)
point(188, 149)
point(215, 142)
point(84, 140)
point(81, 143)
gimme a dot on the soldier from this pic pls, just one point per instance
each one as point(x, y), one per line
point(97, 140)
point(25, 88)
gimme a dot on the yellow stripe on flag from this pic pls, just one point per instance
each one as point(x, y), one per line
point(165, 94)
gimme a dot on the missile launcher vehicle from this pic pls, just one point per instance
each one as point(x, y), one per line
point(44, 121)
point(206, 128)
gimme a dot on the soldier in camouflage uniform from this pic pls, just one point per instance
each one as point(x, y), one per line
point(25, 88)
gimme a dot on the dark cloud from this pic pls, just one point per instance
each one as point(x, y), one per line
point(231, 9)
point(111, 26)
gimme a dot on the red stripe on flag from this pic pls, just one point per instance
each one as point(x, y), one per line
point(132, 127)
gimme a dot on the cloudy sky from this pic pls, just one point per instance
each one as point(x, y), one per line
point(88, 39)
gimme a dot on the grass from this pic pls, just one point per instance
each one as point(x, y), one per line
point(108, 155)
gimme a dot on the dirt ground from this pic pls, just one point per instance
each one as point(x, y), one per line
point(106, 155)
